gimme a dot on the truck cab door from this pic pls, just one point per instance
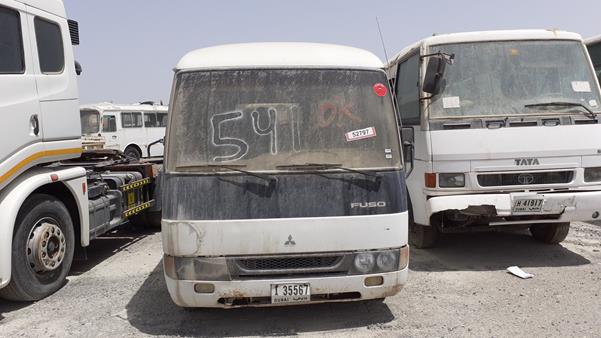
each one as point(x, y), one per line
point(19, 105)
point(56, 78)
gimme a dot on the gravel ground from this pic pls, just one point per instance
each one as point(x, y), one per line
point(459, 289)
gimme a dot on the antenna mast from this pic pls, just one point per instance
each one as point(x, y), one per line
point(382, 39)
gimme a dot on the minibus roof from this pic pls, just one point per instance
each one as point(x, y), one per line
point(483, 36)
point(278, 54)
point(107, 106)
point(55, 7)
point(593, 40)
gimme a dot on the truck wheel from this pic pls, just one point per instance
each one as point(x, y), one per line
point(421, 236)
point(42, 249)
point(550, 233)
point(132, 152)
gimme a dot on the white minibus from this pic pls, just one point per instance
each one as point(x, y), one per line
point(128, 128)
point(283, 181)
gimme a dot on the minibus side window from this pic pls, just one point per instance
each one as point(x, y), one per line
point(162, 119)
point(131, 120)
point(11, 42)
point(407, 90)
point(109, 124)
point(150, 120)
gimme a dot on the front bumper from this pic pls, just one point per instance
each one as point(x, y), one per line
point(239, 293)
point(566, 206)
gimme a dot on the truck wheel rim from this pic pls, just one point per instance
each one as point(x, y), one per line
point(46, 246)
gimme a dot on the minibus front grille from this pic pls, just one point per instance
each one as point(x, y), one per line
point(525, 178)
point(289, 265)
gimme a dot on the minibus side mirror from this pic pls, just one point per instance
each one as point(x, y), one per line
point(433, 79)
point(407, 139)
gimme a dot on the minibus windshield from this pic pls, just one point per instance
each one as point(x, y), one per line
point(507, 78)
point(274, 119)
point(90, 121)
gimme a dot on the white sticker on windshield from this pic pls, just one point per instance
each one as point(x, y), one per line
point(360, 134)
point(451, 102)
point(581, 86)
point(593, 103)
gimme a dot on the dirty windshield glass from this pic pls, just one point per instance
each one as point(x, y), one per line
point(263, 119)
point(500, 78)
point(90, 122)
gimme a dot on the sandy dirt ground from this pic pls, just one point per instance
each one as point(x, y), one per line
point(458, 289)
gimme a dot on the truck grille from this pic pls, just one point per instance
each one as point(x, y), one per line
point(288, 263)
point(525, 178)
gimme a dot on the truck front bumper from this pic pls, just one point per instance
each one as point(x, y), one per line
point(566, 206)
point(228, 294)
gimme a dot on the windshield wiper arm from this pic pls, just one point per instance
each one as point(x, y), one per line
point(232, 167)
point(326, 166)
point(589, 113)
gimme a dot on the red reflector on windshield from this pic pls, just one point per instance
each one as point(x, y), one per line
point(380, 89)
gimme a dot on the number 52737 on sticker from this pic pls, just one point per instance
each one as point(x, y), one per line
point(360, 134)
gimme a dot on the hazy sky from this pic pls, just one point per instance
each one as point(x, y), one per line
point(129, 48)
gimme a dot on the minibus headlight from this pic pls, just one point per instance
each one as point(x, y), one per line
point(456, 180)
point(197, 268)
point(592, 174)
point(365, 262)
point(387, 261)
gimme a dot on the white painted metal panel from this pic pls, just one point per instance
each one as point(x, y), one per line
point(274, 54)
point(510, 143)
point(269, 236)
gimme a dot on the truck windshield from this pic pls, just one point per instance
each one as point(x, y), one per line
point(90, 121)
point(269, 119)
point(510, 78)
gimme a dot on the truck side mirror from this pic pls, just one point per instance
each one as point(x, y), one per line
point(78, 69)
point(433, 79)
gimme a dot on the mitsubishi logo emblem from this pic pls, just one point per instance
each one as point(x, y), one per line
point(290, 241)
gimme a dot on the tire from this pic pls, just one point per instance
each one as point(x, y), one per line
point(132, 152)
point(40, 212)
point(550, 233)
point(421, 236)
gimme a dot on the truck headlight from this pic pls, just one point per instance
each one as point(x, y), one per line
point(365, 262)
point(456, 180)
point(592, 174)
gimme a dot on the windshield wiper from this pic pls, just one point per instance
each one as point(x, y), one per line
point(325, 166)
point(232, 167)
point(588, 112)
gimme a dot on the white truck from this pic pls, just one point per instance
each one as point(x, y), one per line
point(283, 181)
point(594, 49)
point(53, 197)
point(500, 128)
